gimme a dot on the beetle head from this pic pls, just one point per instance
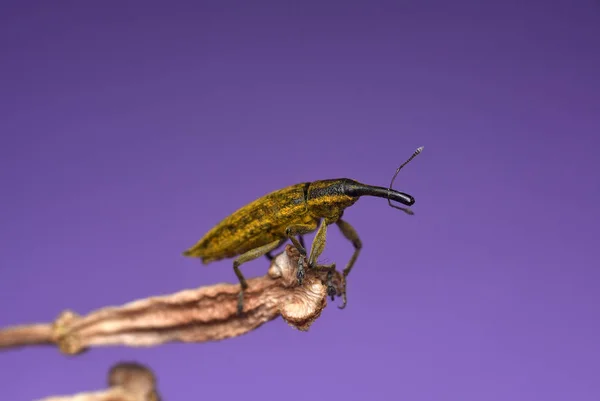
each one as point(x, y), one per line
point(356, 189)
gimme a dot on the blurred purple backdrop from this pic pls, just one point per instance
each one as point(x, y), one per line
point(129, 129)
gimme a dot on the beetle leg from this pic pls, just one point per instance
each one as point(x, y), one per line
point(350, 233)
point(291, 232)
point(298, 229)
point(316, 250)
point(246, 257)
point(318, 244)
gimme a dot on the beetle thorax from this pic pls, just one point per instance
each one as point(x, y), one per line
point(327, 199)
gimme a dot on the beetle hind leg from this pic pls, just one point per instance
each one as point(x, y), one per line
point(246, 257)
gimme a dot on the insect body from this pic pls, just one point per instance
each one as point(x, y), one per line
point(268, 222)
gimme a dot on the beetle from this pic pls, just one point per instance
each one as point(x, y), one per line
point(268, 222)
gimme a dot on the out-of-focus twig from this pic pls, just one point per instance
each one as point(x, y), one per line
point(197, 315)
point(127, 381)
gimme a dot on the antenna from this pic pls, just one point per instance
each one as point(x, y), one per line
point(404, 209)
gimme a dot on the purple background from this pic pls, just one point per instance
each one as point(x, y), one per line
point(129, 129)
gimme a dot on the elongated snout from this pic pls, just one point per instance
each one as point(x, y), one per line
point(358, 189)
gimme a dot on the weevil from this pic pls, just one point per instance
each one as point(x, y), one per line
point(265, 224)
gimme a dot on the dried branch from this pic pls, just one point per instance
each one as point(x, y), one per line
point(197, 315)
point(127, 381)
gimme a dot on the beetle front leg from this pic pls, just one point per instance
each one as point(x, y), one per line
point(350, 233)
point(246, 257)
point(291, 232)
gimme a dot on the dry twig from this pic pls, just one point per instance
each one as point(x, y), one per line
point(127, 381)
point(197, 315)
